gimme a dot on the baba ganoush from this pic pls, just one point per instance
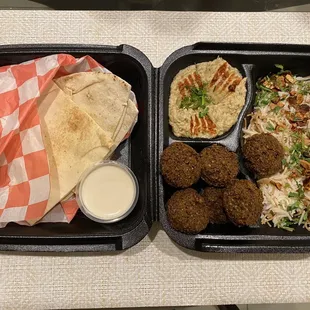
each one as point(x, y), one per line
point(206, 99)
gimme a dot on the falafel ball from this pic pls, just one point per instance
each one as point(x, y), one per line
point(243, 202)
point(214, 201)
point(219, 165)
point(263, 155)
point(187, 211)
point(180, 165)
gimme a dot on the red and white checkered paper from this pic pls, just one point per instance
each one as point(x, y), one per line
point(24, 171)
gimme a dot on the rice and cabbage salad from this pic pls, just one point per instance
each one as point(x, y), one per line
point(282, 108)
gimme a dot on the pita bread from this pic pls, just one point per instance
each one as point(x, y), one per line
point(72, 139)
point(129, 120)
point(103, 96)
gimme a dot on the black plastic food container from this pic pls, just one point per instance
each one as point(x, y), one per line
point(137, 152)
point(150, 136)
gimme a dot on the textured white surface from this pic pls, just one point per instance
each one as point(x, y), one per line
point(155, 272)
point(157, 34)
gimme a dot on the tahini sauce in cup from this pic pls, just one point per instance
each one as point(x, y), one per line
point(107, 192)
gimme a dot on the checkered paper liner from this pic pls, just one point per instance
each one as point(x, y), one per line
point(24, 170)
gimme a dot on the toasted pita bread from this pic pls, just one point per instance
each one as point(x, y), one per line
point(103, 96)
point(72, 139)
point(129, 120)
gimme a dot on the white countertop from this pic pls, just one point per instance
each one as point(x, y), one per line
point(155, 272)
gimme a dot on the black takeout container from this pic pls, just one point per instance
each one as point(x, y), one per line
point(138, 152)
point(141, 152)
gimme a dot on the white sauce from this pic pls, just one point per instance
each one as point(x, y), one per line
point(108, 192)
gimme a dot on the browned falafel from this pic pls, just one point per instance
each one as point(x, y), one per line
point(243, 202)
point(263, 155)
point(187, 211)
point(214, 201)
point(219, 165)
point(180, 165)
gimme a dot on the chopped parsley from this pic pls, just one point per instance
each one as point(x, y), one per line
point(293, 195)
point(287, 185)
point(286, 224)
point(204, 112)
point(270, 127)
point(297, 152)
point(276, 109)
point(264, 95)
point(298, 195)
point(281, 67)
point(197, 99)
point(267, 88)
point(294, 206)
point(303, 87)
point(300, 192)
point(282, 71)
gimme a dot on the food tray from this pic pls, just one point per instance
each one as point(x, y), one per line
point(137, 152)
point(253, 61)
point(150, 136)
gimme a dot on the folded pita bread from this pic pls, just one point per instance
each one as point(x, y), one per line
point(104, 96)
point(128, 121)
point(72, 139)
